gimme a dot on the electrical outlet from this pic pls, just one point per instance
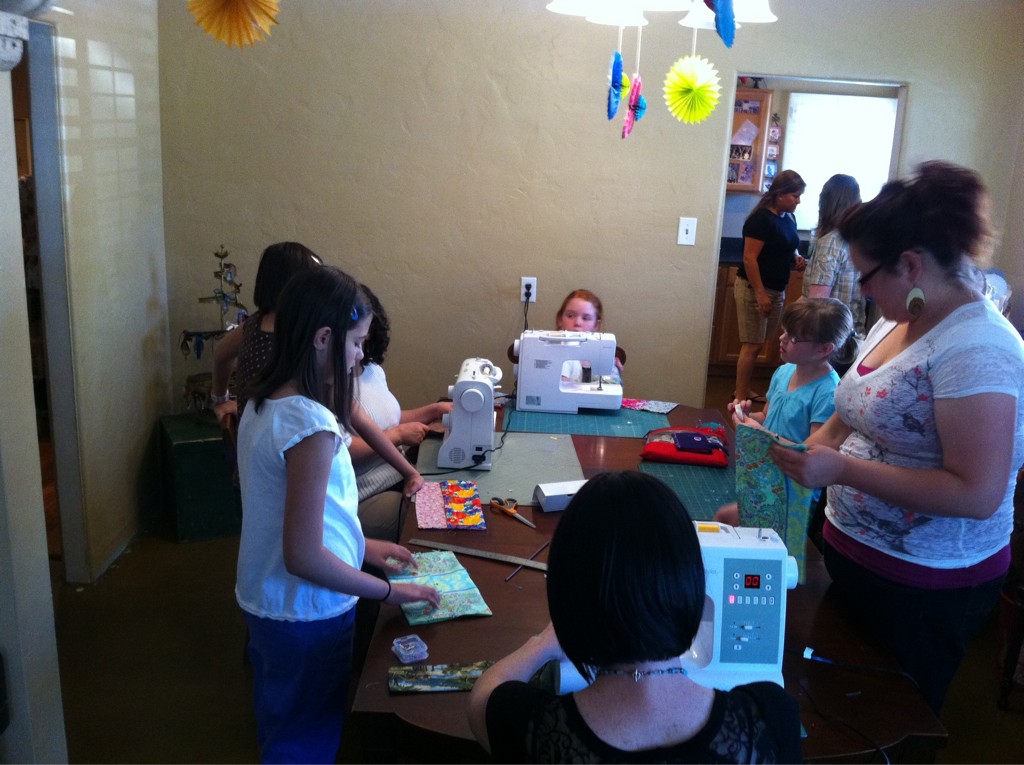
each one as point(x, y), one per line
point(528, 289)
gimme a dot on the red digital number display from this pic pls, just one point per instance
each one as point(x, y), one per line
point(752, 581)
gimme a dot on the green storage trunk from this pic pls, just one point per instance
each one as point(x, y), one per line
point(200, 497)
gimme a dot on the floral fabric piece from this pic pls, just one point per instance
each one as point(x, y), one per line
point(459, 594)
point(433, 678)
point(766, 497)
point(450, 505)
point(647, 405)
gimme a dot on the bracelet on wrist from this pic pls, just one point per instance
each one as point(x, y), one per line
point(388, 594)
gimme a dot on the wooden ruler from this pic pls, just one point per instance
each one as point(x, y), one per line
point(514, 560)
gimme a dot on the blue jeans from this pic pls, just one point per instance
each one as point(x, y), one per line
point(927, 631)
point(301, 674)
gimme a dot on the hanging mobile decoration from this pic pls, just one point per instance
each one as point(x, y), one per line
point(725, 20)
point(691, 89)
point(235, 22)
point(637, 102)
point(614, 84)
point(637, 106)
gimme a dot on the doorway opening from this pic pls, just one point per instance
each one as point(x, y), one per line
point(794, 101)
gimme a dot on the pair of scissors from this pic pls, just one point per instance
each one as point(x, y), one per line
point(508, 507)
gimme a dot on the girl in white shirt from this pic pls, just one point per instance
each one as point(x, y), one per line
point(302, 546)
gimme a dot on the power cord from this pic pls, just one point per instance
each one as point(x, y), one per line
point(809, 655)
point(832, 718)
point(478, 458)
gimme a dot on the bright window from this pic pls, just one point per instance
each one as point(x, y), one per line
point(829, 134)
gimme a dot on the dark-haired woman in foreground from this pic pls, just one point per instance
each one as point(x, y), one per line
point(626, 592)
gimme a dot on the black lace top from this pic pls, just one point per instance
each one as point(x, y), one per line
point(755, 723)
point(257, 347)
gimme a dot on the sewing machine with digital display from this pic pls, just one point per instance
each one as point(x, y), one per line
point(742, 631)
point(469, 427)
point(540, 384)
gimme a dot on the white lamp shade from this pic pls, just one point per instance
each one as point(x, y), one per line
point(753, 11)
point(658, 6)
point(570, 7)
point(699, 16)
point(617, 13)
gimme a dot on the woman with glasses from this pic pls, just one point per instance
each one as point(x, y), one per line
point(922, 453)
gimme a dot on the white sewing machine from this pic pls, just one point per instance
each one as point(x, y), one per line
point(742, 631)
point(539, 383)
point(469, 427)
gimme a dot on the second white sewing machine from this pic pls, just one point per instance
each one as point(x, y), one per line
point(540, 386)
point(469, 427)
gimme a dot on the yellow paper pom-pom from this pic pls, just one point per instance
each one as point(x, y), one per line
point(625, 86)
point(691, 89)
point(235, 22)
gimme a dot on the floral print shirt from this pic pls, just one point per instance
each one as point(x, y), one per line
point(974, 350)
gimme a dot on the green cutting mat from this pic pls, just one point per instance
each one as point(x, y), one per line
point(525, 460)
point(625, 423)
point(702, 489)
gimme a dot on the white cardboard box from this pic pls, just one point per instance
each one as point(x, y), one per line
point(555, 496)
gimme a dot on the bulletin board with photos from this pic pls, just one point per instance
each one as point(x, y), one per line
point(748, 148)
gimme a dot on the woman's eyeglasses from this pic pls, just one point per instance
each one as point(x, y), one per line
point(862, 280)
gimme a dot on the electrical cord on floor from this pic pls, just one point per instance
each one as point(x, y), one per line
point(832, 718)
point(809, 655)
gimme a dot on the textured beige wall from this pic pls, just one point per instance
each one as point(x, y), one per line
point(438, 150)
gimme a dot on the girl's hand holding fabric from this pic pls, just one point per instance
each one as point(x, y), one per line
point(388, 556)
point(818, 466)
point(407, 592)
point(413, 483)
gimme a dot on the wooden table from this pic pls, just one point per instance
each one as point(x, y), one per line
point(848, 712)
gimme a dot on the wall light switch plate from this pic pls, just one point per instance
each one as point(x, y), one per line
point(687, 231)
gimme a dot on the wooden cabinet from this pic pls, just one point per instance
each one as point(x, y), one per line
point(725, 341)
point(752, 115)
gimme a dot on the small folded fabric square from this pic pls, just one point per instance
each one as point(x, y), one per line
point(462, 506)
point(430, 507)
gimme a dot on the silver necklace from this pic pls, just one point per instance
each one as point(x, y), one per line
point(640, 674)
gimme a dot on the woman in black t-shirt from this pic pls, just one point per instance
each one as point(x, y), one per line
point(770, 243)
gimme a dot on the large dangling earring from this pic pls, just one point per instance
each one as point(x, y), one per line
point(915, 301)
